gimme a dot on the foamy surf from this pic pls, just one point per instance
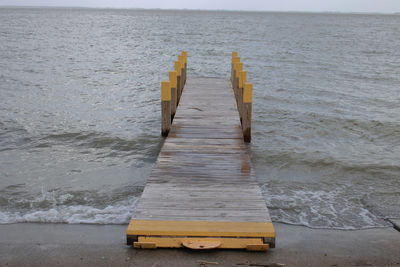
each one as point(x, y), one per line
point(116, 213)
point(320, 209)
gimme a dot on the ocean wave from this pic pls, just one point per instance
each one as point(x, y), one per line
point(116, 213)
point(100, 140)
point(381, 127)
point(318, 160)
point(58, 206)
point(16, 137)
point(18, 197)
point(315, 138)
point(320, 208)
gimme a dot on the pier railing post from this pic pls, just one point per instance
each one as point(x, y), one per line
point(242, 81)
point(238, 69)
point(235, 61)
point(247, 108)
point(174, 93)
point(182, 62)
point(184, 53)
point(234, 55)
point(177, 68)
point(165, 107)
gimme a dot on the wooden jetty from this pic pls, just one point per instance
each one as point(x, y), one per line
point(202, 192)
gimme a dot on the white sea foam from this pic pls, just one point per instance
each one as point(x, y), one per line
point(117, 213)
point(320, 209)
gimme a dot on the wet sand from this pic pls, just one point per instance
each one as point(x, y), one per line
point(81, 245)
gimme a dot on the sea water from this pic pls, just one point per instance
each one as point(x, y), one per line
point(80, 109)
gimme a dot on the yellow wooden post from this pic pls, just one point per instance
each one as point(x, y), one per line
point(234, 55)
point(234, 61)
point(242, 81)
point(165, 107)
point(177, 67)
point(181, 59)
point(185, 53)
point(238, 67)
point(174, 93)
point(247, 108)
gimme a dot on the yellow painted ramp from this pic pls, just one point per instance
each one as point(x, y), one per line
point(201, 235)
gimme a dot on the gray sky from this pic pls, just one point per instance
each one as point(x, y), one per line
point(380, 6)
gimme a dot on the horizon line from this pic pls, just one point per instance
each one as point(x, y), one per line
point(216, 10)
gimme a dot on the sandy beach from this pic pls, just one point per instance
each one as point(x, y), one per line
point(29, 244)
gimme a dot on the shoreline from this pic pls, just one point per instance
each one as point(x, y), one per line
point(42, 244)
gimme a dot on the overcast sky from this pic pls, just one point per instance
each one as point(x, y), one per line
point(380, 6)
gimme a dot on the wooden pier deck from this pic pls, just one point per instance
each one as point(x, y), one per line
point(202, 191)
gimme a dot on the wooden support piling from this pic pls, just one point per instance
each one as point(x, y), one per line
point(171, 92)
point(247, 109)
point(234, 55)
point(177, 67)
point(238, 67)
point(174, 93)
point(242, 81)
point(243, 95)
point(184, 53)
point(182, 65)
point(235, 60)
point(165, 107)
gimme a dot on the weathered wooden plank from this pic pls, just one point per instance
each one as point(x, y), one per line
point(199, 217)
point(199, 194)
point(206, 204)
point(217, 212)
